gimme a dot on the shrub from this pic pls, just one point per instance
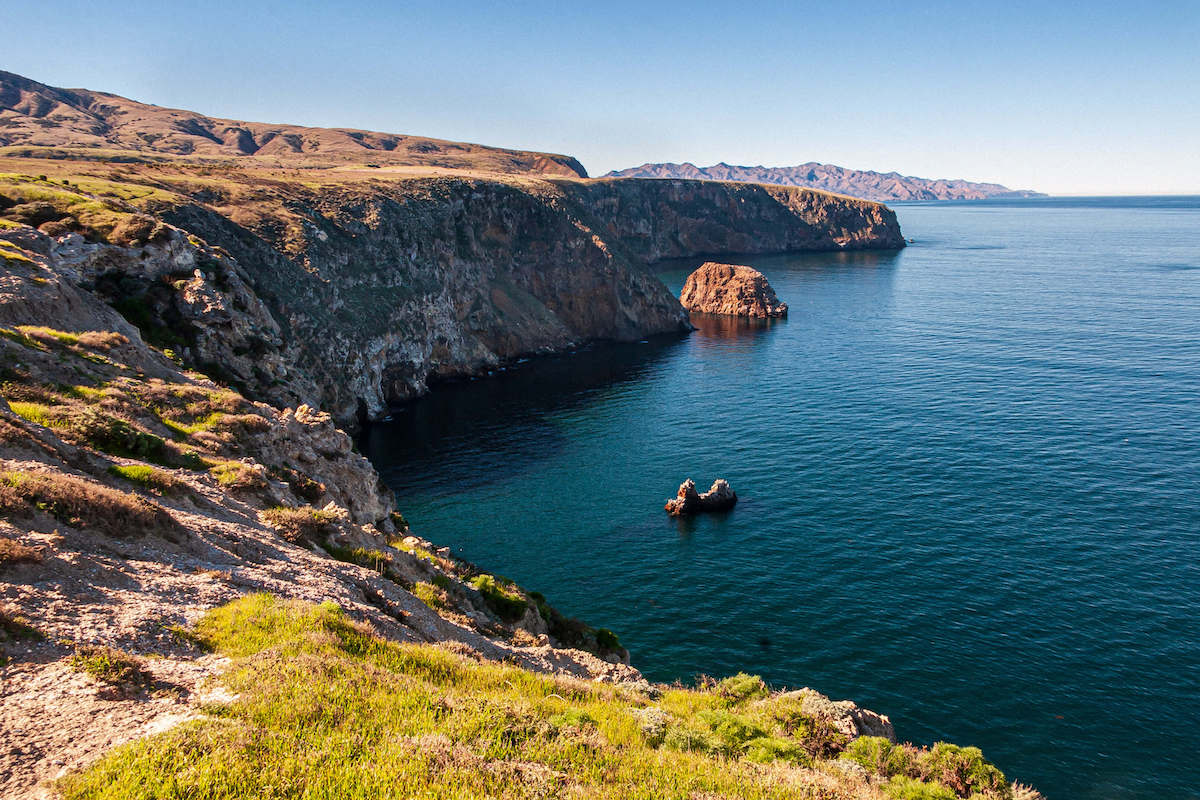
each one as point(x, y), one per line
point(742, 687)
point(83, 504)
point(902, 787)
point(109, 665)
point(964, 770)
point(871, 753)
point(88, 425)
point(13, 552)
point(156, 480)
point(305, 487)
point(304, 524)
point(14, 628)
point(765, 749)
point(430, 595)
point(102, 340)
point(818, 735)
point(731, 730)
point(689, 740)
point(506, 603)
point(573, 718)
point(238, 476)
point(607, 641)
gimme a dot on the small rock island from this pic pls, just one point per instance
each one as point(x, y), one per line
point(719, 497)
point(731, 289)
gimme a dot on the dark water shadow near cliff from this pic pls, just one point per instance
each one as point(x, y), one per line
point(471, 433)
point(723, 326)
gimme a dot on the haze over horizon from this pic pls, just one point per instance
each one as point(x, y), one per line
point(1058, 97)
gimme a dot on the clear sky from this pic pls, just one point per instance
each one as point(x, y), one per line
point(1064, 97)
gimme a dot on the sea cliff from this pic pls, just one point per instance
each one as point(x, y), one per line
point(190, 546)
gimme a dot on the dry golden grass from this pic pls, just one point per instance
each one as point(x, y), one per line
point(83, 504)
point(304, 524)
point(13, 552)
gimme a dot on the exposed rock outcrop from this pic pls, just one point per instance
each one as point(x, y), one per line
point(660, 219)
point(730, 289)
point(848, 717)
point(720, 497)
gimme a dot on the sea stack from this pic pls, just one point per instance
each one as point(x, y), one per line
point(719, 497)
point(731, 289)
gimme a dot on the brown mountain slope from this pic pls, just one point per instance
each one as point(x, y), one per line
point(830, 178)
point(35, 115)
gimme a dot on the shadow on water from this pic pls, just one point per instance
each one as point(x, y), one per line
point(719, 326)
point(476, 432)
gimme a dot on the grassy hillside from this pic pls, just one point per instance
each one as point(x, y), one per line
point(325, 708)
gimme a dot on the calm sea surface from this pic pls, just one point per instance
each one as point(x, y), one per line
point(968, 472)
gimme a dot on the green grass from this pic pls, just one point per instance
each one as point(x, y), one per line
point(326, 709)
point(501, 598)
point(38, 413)
point(236, 475)
point(109, 665)
point(431, 595)
point(147, 477)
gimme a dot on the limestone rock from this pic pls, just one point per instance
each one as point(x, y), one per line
point(847, 716)
point(719, 497)
point(731, 289)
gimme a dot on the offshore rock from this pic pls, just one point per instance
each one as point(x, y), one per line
point(720, 497)
point(731, 289)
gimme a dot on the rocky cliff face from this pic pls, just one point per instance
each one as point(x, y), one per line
point(380, 289)
point(350, 293)
point(376, 289)
point(732, 290)
point(656, 219)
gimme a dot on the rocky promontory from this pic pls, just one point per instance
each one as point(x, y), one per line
point(732, 290)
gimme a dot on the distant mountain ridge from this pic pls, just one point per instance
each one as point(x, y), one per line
point(34, 115)
point(865, 184)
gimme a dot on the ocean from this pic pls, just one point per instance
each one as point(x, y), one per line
point(968, 476)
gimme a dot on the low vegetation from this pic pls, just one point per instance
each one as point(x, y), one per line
point(433, 596)
point(303, 524)
point(83, 504)
point(325, 708)
point(147, 477)
point(109, 665)
point(13, 552)
point(238, 476)
point(15, 628)
point(502, 597)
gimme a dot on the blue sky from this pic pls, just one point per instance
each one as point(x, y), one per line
point(1087, 98)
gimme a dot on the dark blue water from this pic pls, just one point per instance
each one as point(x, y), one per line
point(968, 477)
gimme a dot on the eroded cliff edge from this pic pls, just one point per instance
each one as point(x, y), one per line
point(379, 287)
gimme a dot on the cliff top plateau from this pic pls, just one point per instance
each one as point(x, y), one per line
point(827, 177)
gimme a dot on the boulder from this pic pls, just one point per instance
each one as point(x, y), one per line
point(731, 289)
point(687, 501)
point(848, 717)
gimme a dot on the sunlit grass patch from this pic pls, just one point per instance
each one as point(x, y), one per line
point(148, 477)
point(326, 708)
point(109, 665)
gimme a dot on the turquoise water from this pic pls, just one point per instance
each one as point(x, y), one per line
point(968, 475)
